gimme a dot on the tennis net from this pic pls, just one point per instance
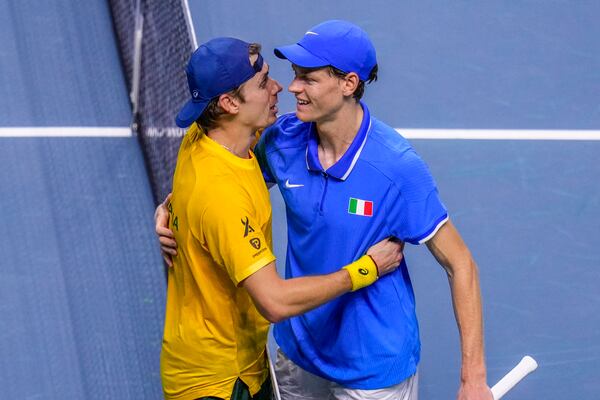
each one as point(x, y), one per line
point(167, 40)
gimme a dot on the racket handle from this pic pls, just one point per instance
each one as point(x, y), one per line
point(523, 368)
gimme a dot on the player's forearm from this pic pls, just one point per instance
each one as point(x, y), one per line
point(453, 255)
point(277, 299)
point(298, 295)
point(466, 299)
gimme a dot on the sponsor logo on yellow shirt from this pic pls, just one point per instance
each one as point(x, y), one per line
point(247, 228)
point(255, 242)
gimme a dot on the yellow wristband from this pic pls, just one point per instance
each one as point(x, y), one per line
point(363, 272)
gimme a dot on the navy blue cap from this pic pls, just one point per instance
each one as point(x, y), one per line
point(340, 44)
point(216, 67)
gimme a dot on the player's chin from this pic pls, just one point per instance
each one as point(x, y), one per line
point(272, 118)
point(303, 116)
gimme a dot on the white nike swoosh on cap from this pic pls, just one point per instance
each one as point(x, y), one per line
point(292, 185)
point(311, 33)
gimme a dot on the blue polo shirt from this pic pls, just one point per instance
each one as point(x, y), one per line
point(368, 339)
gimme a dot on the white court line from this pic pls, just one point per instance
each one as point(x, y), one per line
point(65, 131)
point(499, 134)
point(464, 134)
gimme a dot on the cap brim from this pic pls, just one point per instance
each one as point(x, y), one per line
point(298, 55)
point(190, 113)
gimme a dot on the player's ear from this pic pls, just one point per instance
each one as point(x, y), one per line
point(229, 103)
point(350, 83)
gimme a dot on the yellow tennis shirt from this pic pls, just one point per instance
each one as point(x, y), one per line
point(221, 217)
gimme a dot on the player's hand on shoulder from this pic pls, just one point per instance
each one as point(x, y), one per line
point(387, 254)
point(168, 246)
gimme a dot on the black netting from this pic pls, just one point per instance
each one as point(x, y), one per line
point(166, 47)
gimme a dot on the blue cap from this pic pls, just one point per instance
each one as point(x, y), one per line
point(216, 67)
point(340, 44)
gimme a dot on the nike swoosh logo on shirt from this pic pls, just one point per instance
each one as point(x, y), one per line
point(292, 185)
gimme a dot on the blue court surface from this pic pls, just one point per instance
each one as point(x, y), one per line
point(82, 285)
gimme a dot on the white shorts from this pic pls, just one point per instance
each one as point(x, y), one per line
point(298, 384)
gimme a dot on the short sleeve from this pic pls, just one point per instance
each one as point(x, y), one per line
point(418, 212)
point(234, 239)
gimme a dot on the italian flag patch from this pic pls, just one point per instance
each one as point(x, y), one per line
point(360, 207)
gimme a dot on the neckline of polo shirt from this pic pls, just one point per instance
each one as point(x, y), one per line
point(214, 147)
point(342, 168)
